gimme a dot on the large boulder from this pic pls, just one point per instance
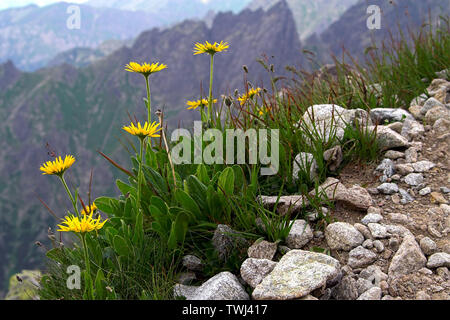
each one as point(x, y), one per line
point(296, 275)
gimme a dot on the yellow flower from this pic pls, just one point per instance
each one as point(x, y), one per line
point(199, 103)
point(147, 130)
point(58, 166)
point(262, 111)
point(81, 225)
point(210, 48)
point(89, 209)
point(249, 95)
point(145, 69)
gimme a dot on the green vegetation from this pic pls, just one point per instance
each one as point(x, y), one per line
point(175, 210)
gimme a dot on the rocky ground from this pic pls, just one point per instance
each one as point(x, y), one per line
point(388, 238)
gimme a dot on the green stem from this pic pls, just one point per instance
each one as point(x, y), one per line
point(149, 103)
point(210, 102)
point(140, 173)
point(86, 254)
point(74, 204)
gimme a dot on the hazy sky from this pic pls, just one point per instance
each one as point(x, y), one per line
point(19, 3)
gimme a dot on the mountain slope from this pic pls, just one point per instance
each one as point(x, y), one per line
point(350, 30)
point(310, 15)
point(79, 111)
point(30, 36)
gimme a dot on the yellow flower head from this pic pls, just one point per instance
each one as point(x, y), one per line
point(145, 69)
point(81, 225)
point(147, 130)
point(199, 103)
point(262, 111)
point(58, 166)
point(249, 95)
point(209, 48)
point(89, 209)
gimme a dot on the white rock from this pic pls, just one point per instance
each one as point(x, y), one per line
point(378, 231)
point(304, 162)
point(343, 236)
point(253, 271)
point(296, 275)
point(371, 218)
point(414, 179)
point(373, 293)
point(408, 258)
point(360, 257)
point(440, 259)
point(388, 188)
point(299, 235)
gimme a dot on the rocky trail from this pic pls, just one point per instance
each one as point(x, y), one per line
point(389, 234)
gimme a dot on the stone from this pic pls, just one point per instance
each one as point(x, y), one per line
point(378, 231)
point(398, 217)
point(430, 104)
point(374, 274)
point(404, 169)
point(304, 163)
point(411, 155)
point(393, 155)
point(412, 129)
point(181, 290)
point(225, 240)
point(444, 190)
point(253, 271)
point(363, 285)
point(360, 257)
point(192, 263)
point(388, 188)
point(299, 235)
point(425, 191)
point(342, 236)
point(355, 197)
point(406, 197)
point(296, 275)
point(440, 259)
point(364, 230)
point(388, 138)
point(414, 179)
point(333, 158)
point(327, 121)
point(438, 197)
point(379, 246)
point(262, 250)
point(368, 244)
point(373, 293)
point(397, 230)
point(381, 115)
point(346, 289)
point(415, 111)
point(396, 126)
point(428, 246)
point(371, 218)
point(423, 166)
point(387, 166)
point(408, 258)
point(223, 286)
point(285, 204)
point(422, 295)
point(436, 113)
point(441, 126)
point(420, 100)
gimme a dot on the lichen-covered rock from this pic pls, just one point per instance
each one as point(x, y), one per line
point(262, 250)
point(253, 271)
point(296, 275)
point(192, 263)
point(343, 236)
point(223, 286)
point(361, 257)
point(346, 289)
point(299, 235)
point(226, 239)
point(408, 258)
point(378, 231)
point(388, 188)
point(440, 259)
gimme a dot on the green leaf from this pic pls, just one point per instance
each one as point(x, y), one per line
point(202, 174)
point(100, 286)
point(125, 188)
point(178, 231)
point(187, 203)
point(120, 246)
point(106, 204)
point(226, 181)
